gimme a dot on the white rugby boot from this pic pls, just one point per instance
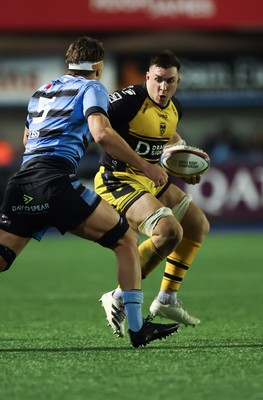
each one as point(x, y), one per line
point(174, 312)
point(115, 313)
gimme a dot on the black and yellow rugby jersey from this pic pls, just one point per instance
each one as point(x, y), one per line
point(143, 124)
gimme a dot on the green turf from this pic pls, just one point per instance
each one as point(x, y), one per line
point(54, 342)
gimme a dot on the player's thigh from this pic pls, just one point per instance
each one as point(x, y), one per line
point(172, 196)
point(102, 220)
point(14, 242)
point(141, 209)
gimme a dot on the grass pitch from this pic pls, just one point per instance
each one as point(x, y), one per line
point(55, 345)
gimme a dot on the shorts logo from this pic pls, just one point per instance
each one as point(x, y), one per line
point(27, 198)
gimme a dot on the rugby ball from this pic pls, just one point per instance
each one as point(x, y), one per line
point(184, 161)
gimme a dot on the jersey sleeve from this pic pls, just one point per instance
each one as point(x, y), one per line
point(123, 105)
point(178, 106)
point(95, 99)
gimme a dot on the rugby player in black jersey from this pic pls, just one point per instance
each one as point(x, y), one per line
point(146, 116)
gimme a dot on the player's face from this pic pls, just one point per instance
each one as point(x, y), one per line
point(161, 84)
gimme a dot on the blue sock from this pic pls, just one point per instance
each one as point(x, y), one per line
point(132, 300)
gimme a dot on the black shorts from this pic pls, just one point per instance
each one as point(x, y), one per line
point(30, 208)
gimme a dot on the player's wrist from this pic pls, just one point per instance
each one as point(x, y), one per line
point(145, 166)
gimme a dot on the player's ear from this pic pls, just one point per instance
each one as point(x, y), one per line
point(98, 74)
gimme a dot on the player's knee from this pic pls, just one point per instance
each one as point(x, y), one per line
point(7, 257)
point(147, 226)
point(130, 239)
point(111, 238)
point(170, 232)
point(164, 227)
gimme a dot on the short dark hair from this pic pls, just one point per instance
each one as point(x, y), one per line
point(165, 59)
point(85, 49)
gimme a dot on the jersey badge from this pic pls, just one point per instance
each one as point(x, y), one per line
point(162, 128)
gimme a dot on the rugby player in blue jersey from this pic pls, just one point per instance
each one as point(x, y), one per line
point(64, 116)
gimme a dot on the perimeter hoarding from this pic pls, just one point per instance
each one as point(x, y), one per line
point(231, 193)
point(228, 194)
point(115, 15)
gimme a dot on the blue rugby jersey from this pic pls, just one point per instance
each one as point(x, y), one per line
point(57, 117)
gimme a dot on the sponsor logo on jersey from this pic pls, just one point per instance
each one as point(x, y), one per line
point(144, 148)
point(129, 91)
point(114, 97)
point(164, 116)
point(33, 134)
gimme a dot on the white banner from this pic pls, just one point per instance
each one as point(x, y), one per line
point(19, 78)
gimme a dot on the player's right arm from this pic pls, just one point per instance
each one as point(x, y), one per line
point(113, 144)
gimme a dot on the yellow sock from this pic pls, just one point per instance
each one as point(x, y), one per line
point(178, 263)
point(149, 257)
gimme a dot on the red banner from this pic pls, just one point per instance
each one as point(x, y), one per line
point(126, 15)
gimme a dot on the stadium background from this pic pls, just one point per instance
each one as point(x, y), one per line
point(220, 47)
point(54, 340)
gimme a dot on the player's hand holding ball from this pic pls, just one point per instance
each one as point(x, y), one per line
point(187, 162)
point(192, 180)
